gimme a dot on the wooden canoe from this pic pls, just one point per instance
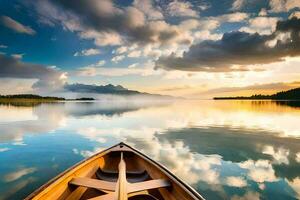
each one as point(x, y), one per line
point(118, 173)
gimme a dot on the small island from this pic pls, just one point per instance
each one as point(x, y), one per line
point(29, 97)
point(32, 98)
point(85, 99)
point(293, 94)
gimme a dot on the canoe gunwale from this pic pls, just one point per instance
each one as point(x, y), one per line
point(160, 167)
point(167, 172)
point(51, 181)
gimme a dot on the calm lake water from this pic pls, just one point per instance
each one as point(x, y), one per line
point(224, 149)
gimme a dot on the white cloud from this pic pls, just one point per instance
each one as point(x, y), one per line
point(298, 157)
point(121, 50)
point(182, 9)
point(236, 181)
point(18, 174)
point(211, 23)
point(146, 6)
point(100, 63)
point(263, 12)
point(284, 5)
point(295, 14)
point(18, 56)
point(117, 59)
point(259, 171)
point(16, 26)
point(146, 70)
point(134, 54)
point(189, 24)
point(4, 149)
point(295, 184)
point(238, 4)
point(250, 195)
point(281, 37)
point(204, 5)
point(206, 35)
point(3, 46)
point(102, 38)
point(133, 65)
point(233, 17)
point(261, 25)
point(88, 52)
point(176, 156)
point(280, 156)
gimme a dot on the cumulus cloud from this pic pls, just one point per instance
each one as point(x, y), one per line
point(104, 38)
point(213, 22)
point(262, 25)
point(206, 35)
point(121, 50)
point(134, 54)
point(92, 70)
point(250, 195)
point(238, 4)
point(88, 52)
point(295, 184)
point(46, 77)
point(280, 156)
point(295, 14)
point(284, 5)
point(236, 181)
point(230, 54)
point(260, 171)
point(108, 24)
point(181, 9)
point(147, 7)
point(16, 26)
point(298, 157)
point(18, 174)
point(117, 59)
point(232, 17)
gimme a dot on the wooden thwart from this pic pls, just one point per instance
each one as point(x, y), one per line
point(111, 186)
point(100, 178)
point(122, 188)
point(147, 185)
point(94, 183)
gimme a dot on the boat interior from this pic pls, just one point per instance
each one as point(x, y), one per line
point(118, 174)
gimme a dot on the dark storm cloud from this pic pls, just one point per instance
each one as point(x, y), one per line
point(16, 26)
point(237, 48)
point(11, 67)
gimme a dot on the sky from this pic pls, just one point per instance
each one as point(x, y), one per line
point(194, 49)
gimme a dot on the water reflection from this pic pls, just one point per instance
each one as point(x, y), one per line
point(224, 149)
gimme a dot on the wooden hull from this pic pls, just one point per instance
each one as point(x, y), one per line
point(101, 177)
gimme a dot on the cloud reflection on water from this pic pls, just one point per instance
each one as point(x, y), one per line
point(225, 149)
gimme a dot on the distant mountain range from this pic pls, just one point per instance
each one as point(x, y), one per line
point(83, 89)
point(100, 89)
point(108, 89)
point(293, 94)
